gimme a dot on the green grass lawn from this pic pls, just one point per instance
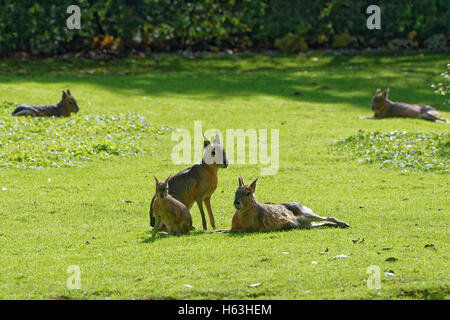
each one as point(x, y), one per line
point(58, 216)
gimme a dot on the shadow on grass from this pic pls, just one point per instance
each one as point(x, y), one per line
point(332, 80)
point(151, 237)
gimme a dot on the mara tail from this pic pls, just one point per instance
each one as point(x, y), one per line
point(152, 216)
point(22, 111)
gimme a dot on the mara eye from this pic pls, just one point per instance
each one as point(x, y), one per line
point(248, 193)
point(213, 153)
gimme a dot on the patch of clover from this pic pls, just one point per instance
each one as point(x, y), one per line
point(399, 149)
point(27, 142)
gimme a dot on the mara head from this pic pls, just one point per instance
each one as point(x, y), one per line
point(214, 152)
point(244, 198)
point(162, 188)
point(69, 102)
point(379, 98)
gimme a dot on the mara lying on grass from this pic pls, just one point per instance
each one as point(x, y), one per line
point(64, 108)
point(252, 216)
point(385, 108)
point(198, 183)
point(170, 211)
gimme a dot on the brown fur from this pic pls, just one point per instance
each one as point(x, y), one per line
point(252, 216)
point(198, 183)
point(64, 108)
point(170, 212)
point(385, 108)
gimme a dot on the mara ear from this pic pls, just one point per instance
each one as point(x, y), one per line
point(206, 142)
point(216, 139)
point(64, 94)
point(167, 180)
point(241, 182)
point(156, 179)
point(253, 185)
point(68, 92)
point(386, 93)
point(378, 91)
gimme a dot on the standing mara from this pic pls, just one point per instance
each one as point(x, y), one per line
point(198, 183)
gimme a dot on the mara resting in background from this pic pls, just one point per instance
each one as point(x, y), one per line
point(64, 108)
point(252, 216)
point(385, 108)
point(198, 183)
point(169, 211)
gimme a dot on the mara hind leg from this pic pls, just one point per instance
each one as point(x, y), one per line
point(306, 217)
point(308, 221)
point(373, 117)
point(432, 115)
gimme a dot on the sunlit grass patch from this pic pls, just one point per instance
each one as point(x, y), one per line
point(401, 150)
point(27, 142)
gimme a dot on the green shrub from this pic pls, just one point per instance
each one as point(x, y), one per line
point(343, 40)
point(40, 26)
point(291, 44)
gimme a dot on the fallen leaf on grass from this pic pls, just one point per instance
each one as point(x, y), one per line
point(391, 259)
point(126, 201)
point(340, 256)
point(255, 285)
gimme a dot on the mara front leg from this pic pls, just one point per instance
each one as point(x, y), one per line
point(158, 224)
point(200, 207)
point(210, 213)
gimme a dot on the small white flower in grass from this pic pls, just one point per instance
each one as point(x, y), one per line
point(314, 262)
point(49, 180)
point(389, 274)
point(285, 252)
point(4, 188)
point(340, 256)
point(187, 286)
